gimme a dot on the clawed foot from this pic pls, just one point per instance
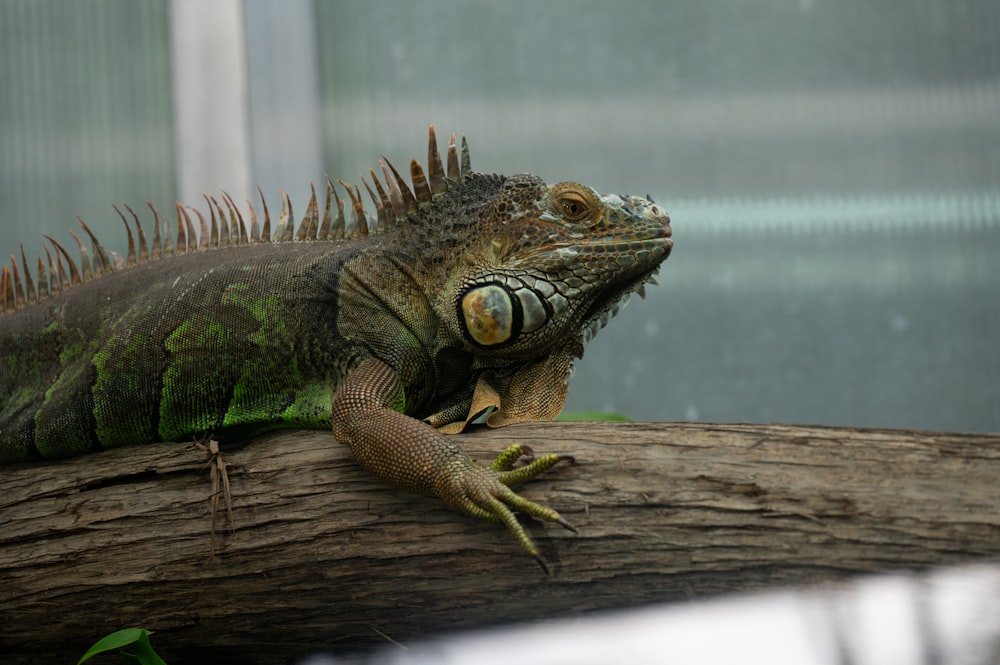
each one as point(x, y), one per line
point(484, 492)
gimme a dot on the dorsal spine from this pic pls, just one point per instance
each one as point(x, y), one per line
point(394, 203)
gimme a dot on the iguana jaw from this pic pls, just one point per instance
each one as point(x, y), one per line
point(651, 219)
point(610, 304)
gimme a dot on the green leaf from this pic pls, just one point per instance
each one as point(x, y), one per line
point(144, 651)
point(122, 638)
point(116, 640)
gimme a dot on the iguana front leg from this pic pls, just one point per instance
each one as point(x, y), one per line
point(414, 456)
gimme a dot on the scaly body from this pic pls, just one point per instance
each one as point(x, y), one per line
point(471, 291)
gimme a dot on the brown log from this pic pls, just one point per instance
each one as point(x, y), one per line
point(325, 557)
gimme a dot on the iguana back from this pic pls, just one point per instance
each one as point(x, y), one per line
point(210, 343)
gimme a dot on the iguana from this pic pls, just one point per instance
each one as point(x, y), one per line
point(466, 293)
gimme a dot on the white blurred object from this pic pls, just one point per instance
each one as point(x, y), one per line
point(945, 617)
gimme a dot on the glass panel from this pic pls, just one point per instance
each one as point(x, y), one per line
point(84, 116)
point(832, 170)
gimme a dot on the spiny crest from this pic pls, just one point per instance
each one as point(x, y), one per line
point(394, 203)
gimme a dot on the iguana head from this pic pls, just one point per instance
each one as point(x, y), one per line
point(554, 264)
point(540, 268)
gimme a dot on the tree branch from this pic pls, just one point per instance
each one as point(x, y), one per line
point(323, 556)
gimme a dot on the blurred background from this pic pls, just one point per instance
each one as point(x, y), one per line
point(832, 167)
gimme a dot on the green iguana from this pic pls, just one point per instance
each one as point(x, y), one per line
point(468, 292)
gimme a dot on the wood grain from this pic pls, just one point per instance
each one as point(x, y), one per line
point(325, 557)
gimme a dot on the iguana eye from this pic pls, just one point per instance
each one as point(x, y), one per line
point(574, 208)
point(573, 202)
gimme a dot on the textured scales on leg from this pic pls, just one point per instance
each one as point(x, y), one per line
point(412, 455)
point(462, 293)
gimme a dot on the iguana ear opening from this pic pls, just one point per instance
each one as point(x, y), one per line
point(494, 314)
point(490, 315)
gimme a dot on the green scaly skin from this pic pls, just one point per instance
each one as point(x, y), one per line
point(472, 292)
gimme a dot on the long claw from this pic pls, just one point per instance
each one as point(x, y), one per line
point(541, 562)
point(484, 493)
point(566, 525)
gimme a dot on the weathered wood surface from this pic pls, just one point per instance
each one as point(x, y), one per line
point(324, 557)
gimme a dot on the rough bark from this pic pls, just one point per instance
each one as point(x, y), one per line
point(324, 557)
